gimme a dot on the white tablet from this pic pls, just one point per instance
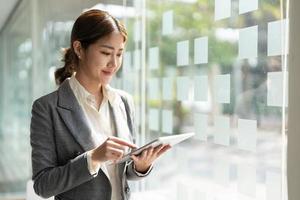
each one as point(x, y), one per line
point(171, 140)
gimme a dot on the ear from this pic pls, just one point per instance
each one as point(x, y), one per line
point(78, 49)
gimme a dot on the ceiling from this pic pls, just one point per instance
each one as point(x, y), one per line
point(6, 7)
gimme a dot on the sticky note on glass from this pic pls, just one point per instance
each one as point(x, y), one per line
point(276, 38)
point(273, 186)
point(222, 88)
point(222, 130)
point(153, 119)
point(201, 50)
point(248, 42)
point(137, 59)
point(167, 22)
point(168, 88)
point(127, 64)
point(183, 86)
point(201, 88)
point(247, 6)
point(247, 134)
point(221, 169)
point(153, 86)
point(167, 126)
point(200, 124)
point(247, 179)
point(275, 89)
point(222, 9)
point(153, 58)
point(183, 53)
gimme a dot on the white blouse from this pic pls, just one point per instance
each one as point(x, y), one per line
point(102, 126)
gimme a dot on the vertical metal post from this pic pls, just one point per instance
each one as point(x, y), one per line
point(293, 164)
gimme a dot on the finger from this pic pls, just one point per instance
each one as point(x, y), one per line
point(134, 158)
point(115, 145)
point(144, 154)
point(163, 150)
point(158, 148)
point(115, 153)
point(150, 153)
point(122, 142)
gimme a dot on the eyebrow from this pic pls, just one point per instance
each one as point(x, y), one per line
point(110, 47)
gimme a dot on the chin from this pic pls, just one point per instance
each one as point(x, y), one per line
point(105, 82)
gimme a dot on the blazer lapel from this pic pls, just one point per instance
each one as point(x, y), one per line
point(73, 116)
point(118, 115)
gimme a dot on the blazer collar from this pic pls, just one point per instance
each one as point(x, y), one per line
point(73, 116)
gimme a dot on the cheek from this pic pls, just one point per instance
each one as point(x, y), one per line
point(97, 63)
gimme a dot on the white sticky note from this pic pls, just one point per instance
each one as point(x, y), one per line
point(201, 88)
point(167, 126)
point(137, 31)
point(183, 86)
point(247, 134)
point(168, 88)
point(247, 179)
point(183, 53)
point(200, 124)
point(273, 186)
point(127, 63)
point(201, 50)
point(222, 130)
point(275, 89)
point(153, 86)
point(153, 58)
point(222, 9)
point(153, 119)
point(248, 42)
point(247, 6)
point(222, 88)
point(221, 170)
point(167, 23)
point(276, 37)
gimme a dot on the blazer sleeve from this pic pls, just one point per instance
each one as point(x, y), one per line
point(49, 178)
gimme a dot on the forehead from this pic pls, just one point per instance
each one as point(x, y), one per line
point(115, 40)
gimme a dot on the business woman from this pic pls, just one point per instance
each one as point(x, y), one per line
point(79, 131)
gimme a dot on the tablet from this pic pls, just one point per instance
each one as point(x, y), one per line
point(171, 140)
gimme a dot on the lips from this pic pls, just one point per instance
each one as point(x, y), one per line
point(107, 72)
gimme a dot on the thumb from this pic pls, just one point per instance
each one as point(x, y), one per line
point(134, 158)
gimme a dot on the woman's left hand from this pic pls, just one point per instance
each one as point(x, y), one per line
point(144, 161)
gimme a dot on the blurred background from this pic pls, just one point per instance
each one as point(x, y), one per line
point(214, 67)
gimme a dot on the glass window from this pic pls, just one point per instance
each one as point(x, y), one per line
point(223, 64)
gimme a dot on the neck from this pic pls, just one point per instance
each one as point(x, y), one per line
point(95, 88)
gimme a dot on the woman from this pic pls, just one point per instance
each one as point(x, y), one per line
point(79, 131)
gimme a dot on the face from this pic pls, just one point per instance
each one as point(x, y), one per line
point(102, 59)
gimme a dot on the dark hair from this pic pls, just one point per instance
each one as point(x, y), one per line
point(89, 27)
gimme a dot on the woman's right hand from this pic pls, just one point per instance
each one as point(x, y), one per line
point(112, 149)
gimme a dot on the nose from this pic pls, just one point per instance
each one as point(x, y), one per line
point(113, 62)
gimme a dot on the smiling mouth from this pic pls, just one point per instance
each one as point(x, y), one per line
point(107, 72)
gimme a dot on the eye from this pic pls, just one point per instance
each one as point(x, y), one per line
point(105, 53)
point(120, 55)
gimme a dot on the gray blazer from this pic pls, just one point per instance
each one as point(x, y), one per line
point(60, 136)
